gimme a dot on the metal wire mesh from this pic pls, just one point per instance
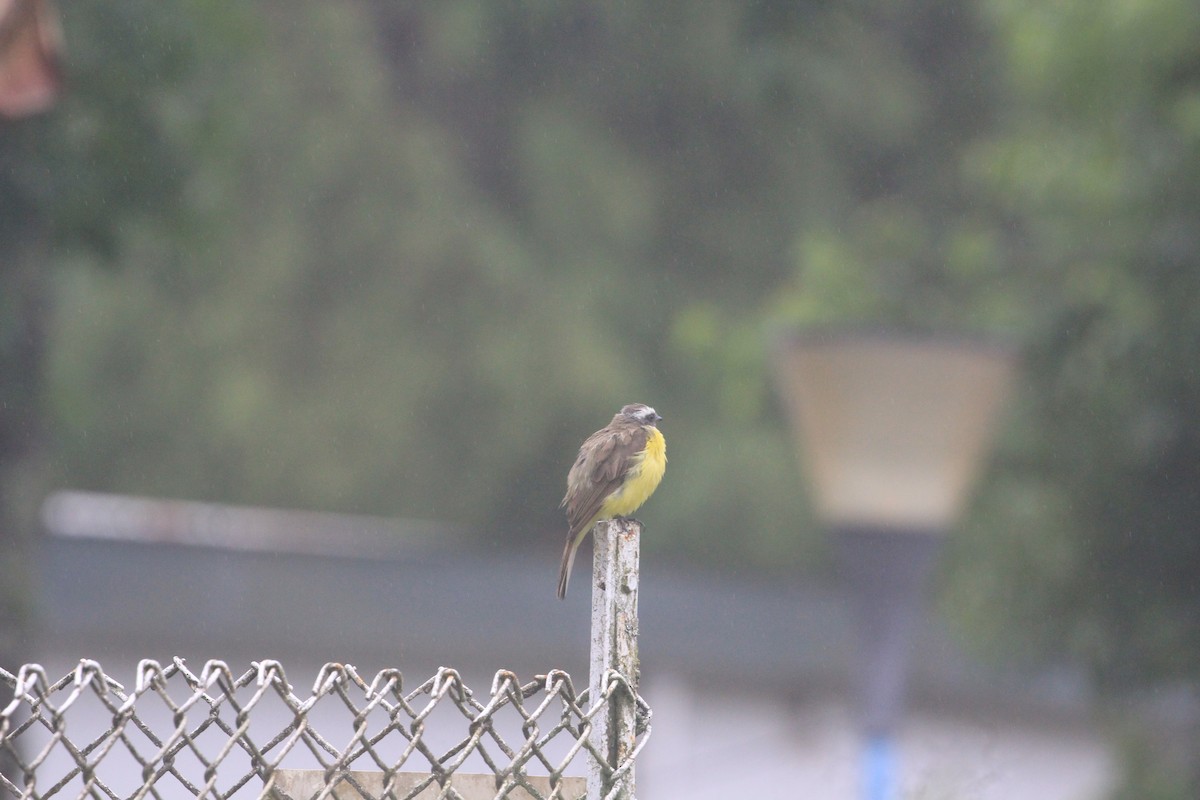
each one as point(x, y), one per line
point(217, 735)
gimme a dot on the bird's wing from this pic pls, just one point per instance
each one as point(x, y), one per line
point(599, 470)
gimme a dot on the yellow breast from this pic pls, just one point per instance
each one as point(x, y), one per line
point(643, 478)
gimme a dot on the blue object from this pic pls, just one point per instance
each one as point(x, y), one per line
point(879, 777)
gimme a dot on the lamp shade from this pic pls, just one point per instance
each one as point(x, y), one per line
point(892, 429)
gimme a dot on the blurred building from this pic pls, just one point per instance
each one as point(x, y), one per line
point(748, 681)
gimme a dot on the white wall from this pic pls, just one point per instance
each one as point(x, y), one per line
point(713, 745)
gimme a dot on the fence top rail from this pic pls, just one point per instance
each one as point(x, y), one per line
point(173, 732)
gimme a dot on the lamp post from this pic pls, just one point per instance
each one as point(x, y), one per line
point(892, 430)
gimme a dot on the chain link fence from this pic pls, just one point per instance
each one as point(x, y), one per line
point(217, 735)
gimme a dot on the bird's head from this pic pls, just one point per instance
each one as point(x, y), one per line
point(641, 414)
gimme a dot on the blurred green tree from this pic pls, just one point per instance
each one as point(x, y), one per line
point(1097, 168)
point(1071, 228)
point(359, 331)
point(456, 237)
point(114, 154)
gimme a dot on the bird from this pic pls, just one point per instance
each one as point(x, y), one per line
point(617, 469)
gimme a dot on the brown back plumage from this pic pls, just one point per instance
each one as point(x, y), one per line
point(600, 469)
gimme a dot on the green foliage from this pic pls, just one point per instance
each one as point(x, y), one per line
point(1092, 172)
point(115, 154)
point(356, 331)
point(419, 287)
point(1067, 226)
point(121, 143)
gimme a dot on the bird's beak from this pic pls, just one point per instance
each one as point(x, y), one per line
point(658, 417)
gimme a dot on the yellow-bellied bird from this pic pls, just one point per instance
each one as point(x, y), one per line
point(617, 469)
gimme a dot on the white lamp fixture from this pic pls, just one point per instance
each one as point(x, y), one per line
point(892, 428)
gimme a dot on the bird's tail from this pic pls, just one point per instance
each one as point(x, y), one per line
point(568, 558)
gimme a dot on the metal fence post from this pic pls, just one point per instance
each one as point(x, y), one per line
point(614, 647)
